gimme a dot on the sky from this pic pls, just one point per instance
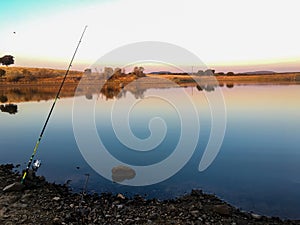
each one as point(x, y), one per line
point(229, 35)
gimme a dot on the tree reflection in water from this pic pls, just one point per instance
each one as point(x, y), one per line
point(9, 108)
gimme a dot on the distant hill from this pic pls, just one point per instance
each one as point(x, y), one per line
point(259, 72)
point(161, 72)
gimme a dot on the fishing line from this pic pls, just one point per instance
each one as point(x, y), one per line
point(51, 110)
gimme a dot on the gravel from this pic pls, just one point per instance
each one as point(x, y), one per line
point(40, 202)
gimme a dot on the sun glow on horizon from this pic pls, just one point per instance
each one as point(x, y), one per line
point(229, 35)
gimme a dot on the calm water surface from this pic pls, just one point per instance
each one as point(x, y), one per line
point(257, 168)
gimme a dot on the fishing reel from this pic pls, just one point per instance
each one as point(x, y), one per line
point(36, 164)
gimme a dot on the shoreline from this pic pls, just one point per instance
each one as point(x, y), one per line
point(46, 76)
point(41, 202)
point(16, 92)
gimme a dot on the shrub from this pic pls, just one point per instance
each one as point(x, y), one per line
point(3, 99)
point(2, 72)
point(15, 77)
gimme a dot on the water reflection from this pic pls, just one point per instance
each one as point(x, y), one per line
point(112, 88)
point(33, 93)
point(3, 98)
point(9, 108)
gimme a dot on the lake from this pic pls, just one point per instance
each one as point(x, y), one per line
point(256, 169)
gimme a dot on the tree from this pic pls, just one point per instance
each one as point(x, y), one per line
point(117, 72)
point(7, 60)
point(138, 71)
point(200, 72)
point(230, 74)
point(108, 72)
point(209, 72)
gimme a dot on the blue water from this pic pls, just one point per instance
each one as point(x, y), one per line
point(256, 169)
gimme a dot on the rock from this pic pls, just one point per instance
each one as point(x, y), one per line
point(19, 205)
point(56, 220)
point(121, 173)
point(120, 196)
point(120, 206)
point(14, 187)
point(3, 211)
point(196, 193)
point(195, 213)
point(30, 175)
point(256, 216)
point(56, 198)
point(42, 178)
point(54, 204)
point(222, 210)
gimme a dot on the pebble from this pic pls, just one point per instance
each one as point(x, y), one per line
point(44, 204)
point(256, 216)
point(120, 196)
point(17, 186)
point(222, 210)
point(56, 198)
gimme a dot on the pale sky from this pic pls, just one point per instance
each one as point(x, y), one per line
point(238, 35)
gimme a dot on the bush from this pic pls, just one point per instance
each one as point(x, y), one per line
point(28, 75)
point(15, 77)
point(3, 99)
point(2, 72)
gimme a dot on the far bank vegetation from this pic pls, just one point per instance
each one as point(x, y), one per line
point(35, 75)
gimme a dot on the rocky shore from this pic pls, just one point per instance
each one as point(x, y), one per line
point(40, 202)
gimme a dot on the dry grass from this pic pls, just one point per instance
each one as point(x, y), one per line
point(32, 76)
point(28, 75)
point(278, 78)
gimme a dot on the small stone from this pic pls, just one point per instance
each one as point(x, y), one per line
point(56, 220)
point(3, 211)
point(21, 205)
point(222, 210)
point(26, 197)
point(56, 198)
point(120, 206)
point(14, 187)
point(256, 216)
point(120, 196)
point(154, 216)
point(42, 178)
point(195, 213)
point(196, 193)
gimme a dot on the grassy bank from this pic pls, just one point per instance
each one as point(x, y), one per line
point(28, 75)
point(37, 76)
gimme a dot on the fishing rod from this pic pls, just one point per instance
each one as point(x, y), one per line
point(51, 110)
